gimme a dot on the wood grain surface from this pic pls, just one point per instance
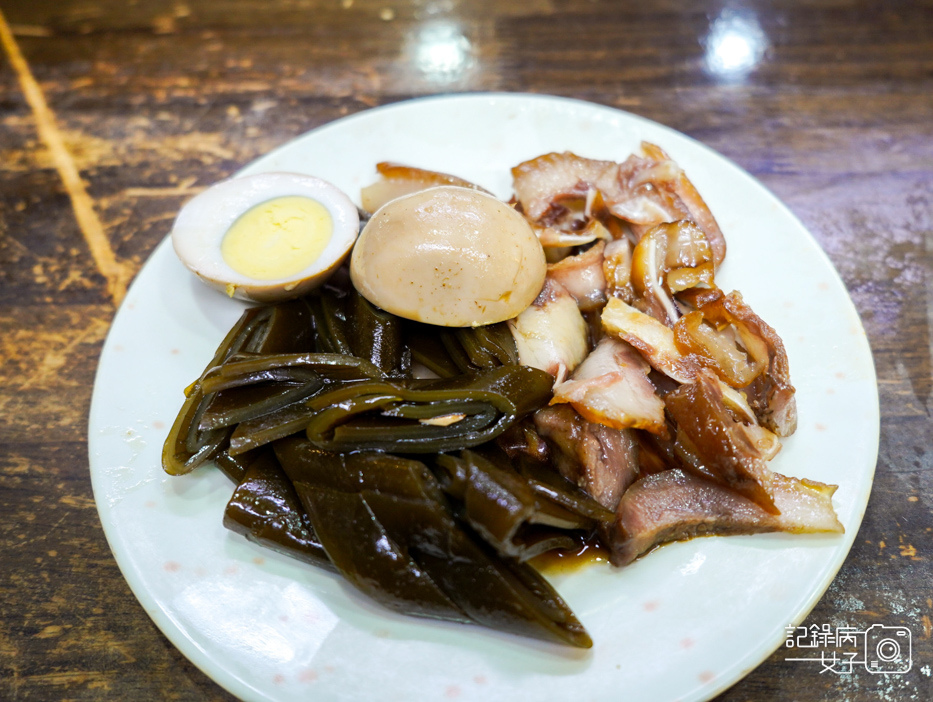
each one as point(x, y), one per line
point(113, 112)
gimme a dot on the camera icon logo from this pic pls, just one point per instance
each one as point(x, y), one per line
point(887, 649)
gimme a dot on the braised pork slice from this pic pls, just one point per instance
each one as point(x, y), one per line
point(717, 446)
point(601, 460)
point(676, 505)
point(643, 190)
point(617, 269)
point(541, 184)
point(582, 276)
point(725, 335)
point(771, 394)
point(689, 198)
point(611, 387)
point(551, 334)
point(653, 339)
point(397, 179)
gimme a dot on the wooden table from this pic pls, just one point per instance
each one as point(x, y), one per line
point(113, 112)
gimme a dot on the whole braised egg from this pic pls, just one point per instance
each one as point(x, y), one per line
point(449, 256)
point(266, 237)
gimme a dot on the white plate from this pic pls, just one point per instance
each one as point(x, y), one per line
point(684, 623)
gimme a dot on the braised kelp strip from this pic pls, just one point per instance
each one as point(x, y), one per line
point(329, 317)
point(252, 434)
point(249, 387)
point(369, 558)
point(241, 404)
point(502, 507)
point(276, 329)
point(495, 592)
point(304, 462)
point(400, 501)
point(374, 414)
point(259, 393)
point(245, 369)
point(450, 352)
point(376, 336)
point(265, 508)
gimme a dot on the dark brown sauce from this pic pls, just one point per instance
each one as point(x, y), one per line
point(568, 560)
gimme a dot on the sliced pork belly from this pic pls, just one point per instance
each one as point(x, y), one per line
point(582, 276)
point(554, 238)
point(601, 460)
point(542, 183)
point(676, 505)
point(397, 179)
point(551, 334)
point(611, 387)
point(642, 190)
point(617, 269)
point(639, 199)
point(653, 339)
point(690, 198)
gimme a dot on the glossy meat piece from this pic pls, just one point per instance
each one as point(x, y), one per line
point(675, 505)
point(771, 394)
point(725, 335)
point(649, 279)
point(555, 238)
point(541, 183)
point(551, 334)
point(714, 444)
point(601, 460)
point(582, 276)
point(397, 180)
point(611, 387)
point(617, 269)
point(669, 258)
point(642, 190)
point(690, 198)
point(654, 340)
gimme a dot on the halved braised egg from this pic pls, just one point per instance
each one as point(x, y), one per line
point(266, 237)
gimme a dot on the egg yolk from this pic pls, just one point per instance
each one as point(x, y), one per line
point(277, 238)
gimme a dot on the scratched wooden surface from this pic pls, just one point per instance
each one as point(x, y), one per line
point(113, 112)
